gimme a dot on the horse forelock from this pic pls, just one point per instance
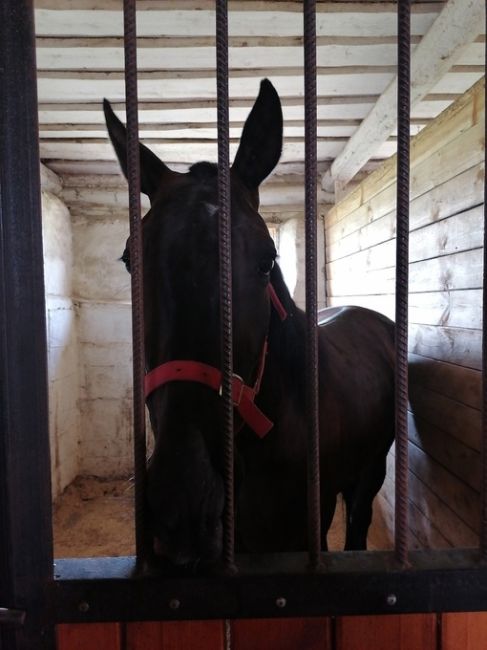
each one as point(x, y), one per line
point(204, 170)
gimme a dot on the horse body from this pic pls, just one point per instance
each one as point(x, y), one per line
point(185, 493)
point(356, 366)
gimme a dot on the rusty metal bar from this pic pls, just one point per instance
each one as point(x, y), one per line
point(136, 265)
point(402, 280)
point(225, 247)
point(483, 519)
point(312, 379)
point(26, 549)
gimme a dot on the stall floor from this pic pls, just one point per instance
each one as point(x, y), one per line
point(94, 517)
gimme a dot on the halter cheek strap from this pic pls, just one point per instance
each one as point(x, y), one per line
point(243, 396)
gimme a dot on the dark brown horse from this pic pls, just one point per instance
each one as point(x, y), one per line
point(185, 487)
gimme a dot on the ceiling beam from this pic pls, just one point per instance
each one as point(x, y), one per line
point(191, 152)
point(64, 55)
point(237, 104)
point(459, 23)
point(56, 88)
point(245, 19)
point(294, 6)
point(75, 168)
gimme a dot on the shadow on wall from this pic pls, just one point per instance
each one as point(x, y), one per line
point(444, 453)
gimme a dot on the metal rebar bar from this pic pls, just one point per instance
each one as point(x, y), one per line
point(312, 378)
point(136, 264)
point(402, 281)
point(483, 518)
point(26, 544)
point(225, 250)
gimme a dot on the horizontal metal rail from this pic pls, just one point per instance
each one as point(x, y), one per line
point(281, 585)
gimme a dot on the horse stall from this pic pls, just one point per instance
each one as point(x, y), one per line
point(445, 309)
point(73, 491)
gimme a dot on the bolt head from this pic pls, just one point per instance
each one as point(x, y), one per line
point(391, 600)
point(281, 602)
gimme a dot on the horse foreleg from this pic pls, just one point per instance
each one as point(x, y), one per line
point(358, 501)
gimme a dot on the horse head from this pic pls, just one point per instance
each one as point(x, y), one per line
point(185, 492)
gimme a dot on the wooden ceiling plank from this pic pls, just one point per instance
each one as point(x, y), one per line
point(175, 126)
point(169, 59)
point(162, 75)
point(176, 152)
point(175, 60)
point(79, 90)
point(205, 75)
point(459, 23)
point(76, 167)
point(181, 106)
point(193, 42)
point(322, 6)
point(344, 19)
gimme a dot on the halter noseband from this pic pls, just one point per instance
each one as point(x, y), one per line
point(243, 396)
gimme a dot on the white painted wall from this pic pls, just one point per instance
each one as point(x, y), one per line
point(102, 289)
point(292, 259)
point(63, 352)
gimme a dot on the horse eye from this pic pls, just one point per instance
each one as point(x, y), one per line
point(266, 266)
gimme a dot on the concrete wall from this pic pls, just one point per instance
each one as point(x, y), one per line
point(89, 341)
point(292, 259)
point(102, 290)
point(63, 351)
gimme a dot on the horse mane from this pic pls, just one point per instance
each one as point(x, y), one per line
point(287, 338)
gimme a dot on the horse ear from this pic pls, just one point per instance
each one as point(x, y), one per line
point(261, 142)
point(152, 170)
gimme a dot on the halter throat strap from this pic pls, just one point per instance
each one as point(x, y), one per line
point(195, 371)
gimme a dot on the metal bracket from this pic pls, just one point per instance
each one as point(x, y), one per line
point(10, 616)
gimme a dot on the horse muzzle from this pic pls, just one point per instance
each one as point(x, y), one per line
point(190, 556)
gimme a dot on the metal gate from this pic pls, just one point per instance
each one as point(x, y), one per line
point(34, 594)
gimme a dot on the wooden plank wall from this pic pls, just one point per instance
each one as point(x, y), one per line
point(398, 632)
point(445, 308)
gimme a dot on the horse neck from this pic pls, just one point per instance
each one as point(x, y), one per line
point(286, 354)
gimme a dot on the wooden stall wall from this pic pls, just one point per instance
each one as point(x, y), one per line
point(446, 227)
point(392, 632)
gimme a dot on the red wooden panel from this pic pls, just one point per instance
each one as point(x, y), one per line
point(88, 636)
point(398, 632)
point(187, 635)
point(282, 634)
point(464, 631)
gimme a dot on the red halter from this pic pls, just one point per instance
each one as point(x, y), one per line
point(243, 395)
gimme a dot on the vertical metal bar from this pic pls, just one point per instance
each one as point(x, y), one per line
point(402, 281)
point(483, 526)
point(26, 562)
point(312, 379)
point(225, 239)
point(136, 262)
